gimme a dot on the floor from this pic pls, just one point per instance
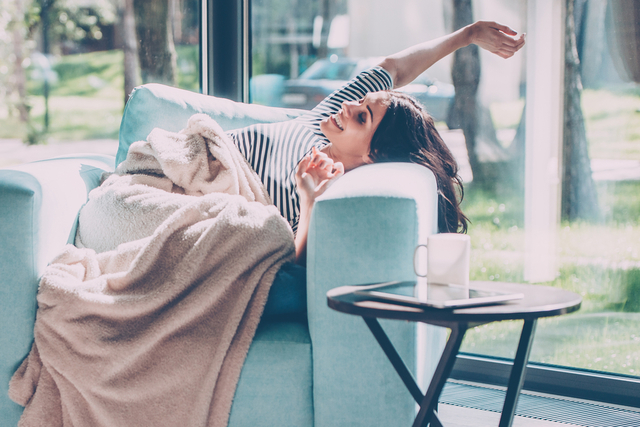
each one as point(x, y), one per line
point(457, 416)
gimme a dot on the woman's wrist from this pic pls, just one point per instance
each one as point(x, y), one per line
point(469, 34)
point(306, 202)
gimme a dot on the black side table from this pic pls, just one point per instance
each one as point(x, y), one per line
point(538, 301)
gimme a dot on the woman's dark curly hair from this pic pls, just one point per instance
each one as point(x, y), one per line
point(407, 133)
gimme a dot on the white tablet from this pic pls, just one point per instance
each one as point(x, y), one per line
point(437, 295)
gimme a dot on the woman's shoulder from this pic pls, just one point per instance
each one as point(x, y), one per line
point(378, 74)
point(373, 79)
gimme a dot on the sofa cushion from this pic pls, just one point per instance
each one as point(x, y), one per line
point(154, 105)
point(275, 384)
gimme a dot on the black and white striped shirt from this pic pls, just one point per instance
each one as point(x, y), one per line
point(275, 149)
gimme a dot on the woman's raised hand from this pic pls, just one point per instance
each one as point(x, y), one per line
point(496, 38)
point(316, 172)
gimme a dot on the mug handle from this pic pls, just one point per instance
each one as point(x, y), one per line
point(417, 256)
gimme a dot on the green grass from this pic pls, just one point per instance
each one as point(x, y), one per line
point(608, 342)
point(612, 121)
point(87, 100)
point(599, 261)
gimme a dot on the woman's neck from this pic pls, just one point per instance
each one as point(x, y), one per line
point(349, 162)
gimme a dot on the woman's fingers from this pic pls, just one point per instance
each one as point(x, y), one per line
point(324, 164)
point(315, 173)
point(508, 50)
point(338, 170)
point(505, 29)
point(303, 166)
point(497, 38)
point(320, 159)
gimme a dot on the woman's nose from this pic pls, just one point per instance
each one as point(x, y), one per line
point(347, 106)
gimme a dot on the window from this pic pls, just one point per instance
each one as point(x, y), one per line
point(67, 66)
point(522, 230)
point(567, 234)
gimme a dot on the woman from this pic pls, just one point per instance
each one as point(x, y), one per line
point(365, 122)
point(392, 126)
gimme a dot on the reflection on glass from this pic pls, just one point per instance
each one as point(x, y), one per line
point(302, 51)
point(287, 37)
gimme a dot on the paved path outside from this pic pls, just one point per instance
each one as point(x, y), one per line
point(603, 169)
point(14, 152)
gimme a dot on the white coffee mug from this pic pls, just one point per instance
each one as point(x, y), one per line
point(448, 258)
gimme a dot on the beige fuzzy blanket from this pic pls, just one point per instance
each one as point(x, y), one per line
point(148, 321)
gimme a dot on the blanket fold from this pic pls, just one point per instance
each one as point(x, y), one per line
point(148, 319)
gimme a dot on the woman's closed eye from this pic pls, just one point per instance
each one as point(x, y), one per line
point(362, 118)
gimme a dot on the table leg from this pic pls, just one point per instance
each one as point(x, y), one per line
point(429, 401)
point(427, 412)
point(516, 379)
point(394, 358)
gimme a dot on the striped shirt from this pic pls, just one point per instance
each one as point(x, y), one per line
point(274, 149)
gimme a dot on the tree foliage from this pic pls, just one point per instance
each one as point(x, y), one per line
point(74, 20)
point(17, 22)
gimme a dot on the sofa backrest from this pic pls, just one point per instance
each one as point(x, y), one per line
point(158, 106)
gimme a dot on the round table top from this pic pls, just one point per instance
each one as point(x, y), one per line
point(538, 301)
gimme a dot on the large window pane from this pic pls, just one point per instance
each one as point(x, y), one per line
point(596, 247)
point(287, 37)
point(67, 66)
point(303, 50)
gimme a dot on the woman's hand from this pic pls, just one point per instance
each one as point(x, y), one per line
point(496, 38)
point(316, 172)
point(408, 64)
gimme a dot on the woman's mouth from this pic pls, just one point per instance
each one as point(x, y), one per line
point(337, 121)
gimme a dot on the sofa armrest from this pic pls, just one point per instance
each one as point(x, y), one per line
point(156, 105)
point(39, 204)
point(365, 229)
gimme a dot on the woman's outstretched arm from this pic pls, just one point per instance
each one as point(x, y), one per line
point(408, 64)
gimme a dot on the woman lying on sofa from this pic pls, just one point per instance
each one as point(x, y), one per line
point(366, 122)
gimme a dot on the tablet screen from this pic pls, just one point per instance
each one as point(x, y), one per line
point(437, 295)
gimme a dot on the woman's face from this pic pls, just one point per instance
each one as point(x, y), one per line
point(351, 129)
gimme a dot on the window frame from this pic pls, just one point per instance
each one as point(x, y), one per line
point(549, 379)
point(226, 47)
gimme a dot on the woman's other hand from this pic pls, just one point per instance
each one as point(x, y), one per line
point(316, 172)
point(496, 38)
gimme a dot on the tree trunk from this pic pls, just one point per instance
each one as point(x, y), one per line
point(130, 50)
point(45, 6)
point(156, 51)
point(465, 74)
point(579, 198)
point(467, 113)
point(18, 71)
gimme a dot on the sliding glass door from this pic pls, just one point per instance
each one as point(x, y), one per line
point(552, 176)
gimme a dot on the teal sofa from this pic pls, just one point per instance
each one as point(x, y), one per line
point(322, 370)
